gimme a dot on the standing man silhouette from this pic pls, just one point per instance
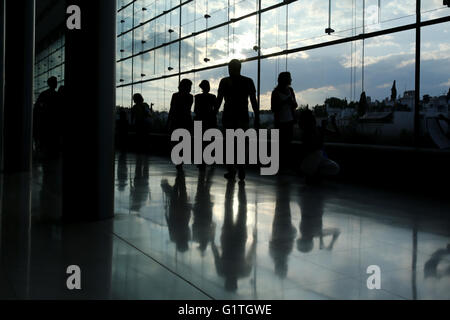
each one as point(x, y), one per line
point(236, 90)
point(46, 118)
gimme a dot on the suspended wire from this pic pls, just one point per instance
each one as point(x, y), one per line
point(278, 46)
point(355, 50)
point(351, 57)
point(363, 46)
point(234, 17)
point(228, 29)
point(379, 11)
point(207, 16)
point(287, 34)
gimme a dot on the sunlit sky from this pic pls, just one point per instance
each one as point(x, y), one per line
point(317, 74)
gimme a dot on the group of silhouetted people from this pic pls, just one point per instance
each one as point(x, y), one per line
point(236, 90)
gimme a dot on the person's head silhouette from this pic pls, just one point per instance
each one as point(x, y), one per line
point(137, 98)
point(204, 85)
point(52, 83)
point(305, 244)
point(234, 68)
point(185, 86)
point(284, 79)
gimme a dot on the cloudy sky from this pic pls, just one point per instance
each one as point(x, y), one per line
point(317, 74)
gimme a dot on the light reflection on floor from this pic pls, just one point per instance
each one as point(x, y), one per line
point(194, 235)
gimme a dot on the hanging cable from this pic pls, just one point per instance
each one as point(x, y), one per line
point(379, 11)
point(142, 47)
point(351, 52)
point(170, 68)
point(355, 51)
point(329, 30)
point(257, 21)
point(363, 44)
point(195, 30)
point(234, 17)
point(228, 29)
point(207, 16)
point(154, 43)
point(278, 46)
point(287, 34)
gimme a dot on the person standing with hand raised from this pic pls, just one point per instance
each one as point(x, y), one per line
point(236, 90)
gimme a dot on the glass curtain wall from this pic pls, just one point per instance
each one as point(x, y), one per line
point(49, 62)
point(335, 50)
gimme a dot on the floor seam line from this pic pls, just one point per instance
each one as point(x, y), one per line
point(164, 266)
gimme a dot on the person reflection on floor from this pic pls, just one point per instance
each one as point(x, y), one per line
point(203, 226)
point(311, 226)
point(178, 211)
point(140, 190)
point(431, 268)
point(122, 172)
point(234, 263)
point(283, 232)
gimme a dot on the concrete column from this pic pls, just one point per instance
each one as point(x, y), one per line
point(2, 76)
point(88, 148)
point(19, 67)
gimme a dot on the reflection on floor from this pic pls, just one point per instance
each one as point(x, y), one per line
point(193, 235)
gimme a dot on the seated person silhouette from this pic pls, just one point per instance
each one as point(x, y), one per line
point(234, 263)
point(178, 212)
point(315, 163)
point(311, 226)
point(236, 90)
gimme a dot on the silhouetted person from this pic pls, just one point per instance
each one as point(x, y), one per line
point(180, 109)
point(46, 120)
point(122, 171)
point(140, 190)
point(283, 232)
point(394, 92)
point(362, 105)
point(178, 214)
point(283, 105)
point(315, 163)
point(311, 226)
point(236, 91)
point(140, 117)
point(203, 226)
point(205, 107)
point(234, 263)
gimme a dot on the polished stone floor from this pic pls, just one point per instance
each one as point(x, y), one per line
point(191, 235)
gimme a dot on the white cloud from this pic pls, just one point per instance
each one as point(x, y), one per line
point(384, 86)
point(313, 96)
